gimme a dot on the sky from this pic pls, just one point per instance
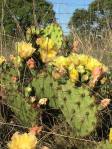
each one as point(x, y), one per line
point(65, 8)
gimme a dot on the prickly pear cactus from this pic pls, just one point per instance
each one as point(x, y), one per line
point(25, 114)
point(78, 108)
point(76, 104)
point(45, 87)
point(54, 32)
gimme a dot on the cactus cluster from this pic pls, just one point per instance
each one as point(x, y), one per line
point(80, 68)
point(45, 80)
point(77, 106)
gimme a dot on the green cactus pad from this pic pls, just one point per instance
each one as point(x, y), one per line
point(76, 104)
point(54, 32)
point(78, 108)
point(25, 114)
point(23, 111)
point(45, 87)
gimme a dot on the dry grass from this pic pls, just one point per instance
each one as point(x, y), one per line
point(99, 46)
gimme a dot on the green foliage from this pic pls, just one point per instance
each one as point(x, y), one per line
point(97, 17)
point(19, 12)
point(80, 19)
point(106, 88)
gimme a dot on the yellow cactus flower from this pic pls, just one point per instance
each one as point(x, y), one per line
point(46, 44)
point(73, 59)
point(32, 30)
point(60, 62)
point(24, 49)
point(84, 59)
point(91, 63)
point(110, 136)
point(47, 56)
point(48, 49)
point(23, 141)
point(2, 60)
point(73, 74)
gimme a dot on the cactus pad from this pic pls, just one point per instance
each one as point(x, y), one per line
point(54, 32)
point(45, 87)
point(76, 104)
point(25, 114)
point(78, 108)
point(23, 111)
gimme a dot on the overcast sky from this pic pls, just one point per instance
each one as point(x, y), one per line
point(65, 8)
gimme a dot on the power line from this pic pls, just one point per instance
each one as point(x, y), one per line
point(71, 4)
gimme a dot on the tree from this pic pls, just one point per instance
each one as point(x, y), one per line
point(81, 19)
point(97, 17)
point(102, 9)
point(18, 14)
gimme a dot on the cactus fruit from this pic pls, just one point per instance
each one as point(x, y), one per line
point(54, 32)
point(76, 104)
